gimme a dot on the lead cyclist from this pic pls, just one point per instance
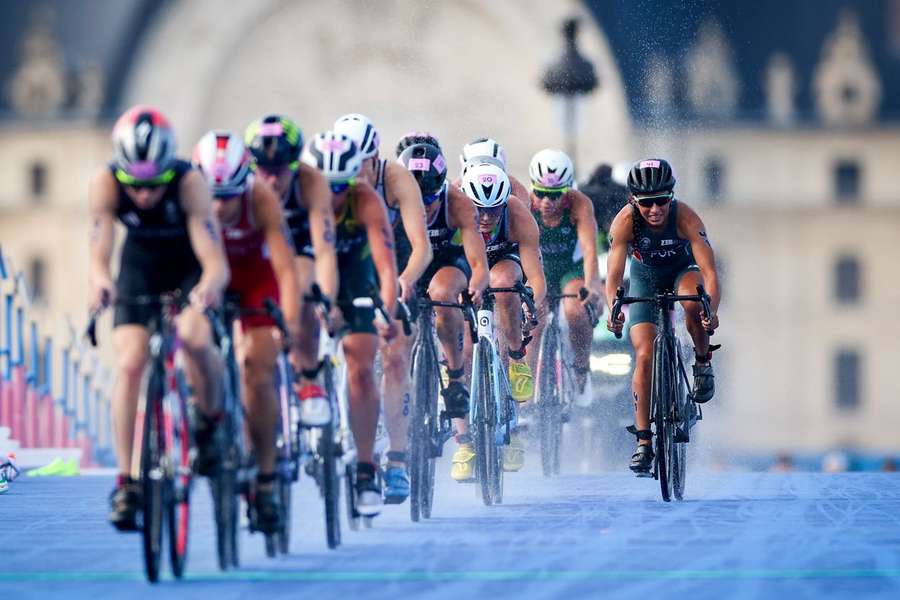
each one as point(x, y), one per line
point(670, 251)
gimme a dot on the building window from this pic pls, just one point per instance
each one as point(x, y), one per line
point(714, 176)
point(37, 279)
point(847, 288)
point(847, 367)
point(846, 181)
point(38, 179)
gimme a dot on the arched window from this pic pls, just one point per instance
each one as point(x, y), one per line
point(38, 181)
point(847, 379)
point(847, 177)
point(847, 280)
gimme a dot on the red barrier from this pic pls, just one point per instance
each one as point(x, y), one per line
point(18, 402)
point(47, 421)
point(30, 436)
point(5, 403)
point(86, 454)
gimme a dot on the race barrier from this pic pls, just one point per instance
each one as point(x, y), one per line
point(52, 395)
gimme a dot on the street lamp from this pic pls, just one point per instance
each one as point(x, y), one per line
point(569, 78)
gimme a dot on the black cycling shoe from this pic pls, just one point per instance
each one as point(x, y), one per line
point(704, 382)
point(456, 400)
point(124, 505)
point(209, 448)
point(642, 460)
point(266, 513)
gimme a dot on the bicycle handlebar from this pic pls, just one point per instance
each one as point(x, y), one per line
point(163, 300)
point(621, 300)
point(525, 292)
point(468, 311)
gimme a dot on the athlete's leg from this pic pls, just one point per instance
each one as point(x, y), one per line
point(203, 366)
point(259, 352)
point(642, 336)
point(395, 362)
point(508, 307)
point(359, 352)
point(580, 332)
point(308, 344)
point(131, 359)
point(704, 380)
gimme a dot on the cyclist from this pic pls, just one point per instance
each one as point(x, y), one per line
point(489, 149)
point(565, 217)
point(173, 243)
point(459, 266)
point(275, 143)
point(670, 251)
point(365, 244)
point(403, 200)
point(512, 241)
point(262, 266)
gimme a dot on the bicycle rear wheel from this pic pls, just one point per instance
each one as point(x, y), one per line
point(179, 481)
point(285, 479)
point(152, 474)
point(661, 401)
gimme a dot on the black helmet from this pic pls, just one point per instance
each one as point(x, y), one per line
point(416, 137)
point(427, 165)
point(651, 176)
point(274, 141)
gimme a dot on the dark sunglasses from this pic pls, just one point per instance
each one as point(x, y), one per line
point(429, 199)
point(144, 186)
point(648, 201)
point(492, 212)
point(339, 186)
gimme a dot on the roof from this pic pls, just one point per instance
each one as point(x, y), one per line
point(638, 30)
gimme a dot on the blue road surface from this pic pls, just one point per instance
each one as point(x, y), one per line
point(739, 535)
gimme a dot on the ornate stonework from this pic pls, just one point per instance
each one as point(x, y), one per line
point(846, 84)
point(38, 86)
point(712, 80)
point(781, 89)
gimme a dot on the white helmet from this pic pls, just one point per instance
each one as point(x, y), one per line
point(362, 131)
point(477, 160)
point(486, 185)
point(224, 162)
point(551, 169)
point(483, 147)
point(335, 155)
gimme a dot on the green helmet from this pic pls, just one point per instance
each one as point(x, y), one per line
point(274, 141)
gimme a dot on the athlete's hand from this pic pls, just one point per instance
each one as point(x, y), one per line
point(387, 330)
point(203, 296)
point(617, 326)
point(710, 323)
point(103, 294)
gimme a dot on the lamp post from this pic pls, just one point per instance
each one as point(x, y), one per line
point(569, 78)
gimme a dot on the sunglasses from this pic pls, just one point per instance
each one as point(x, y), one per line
point(339, 186)
point(276, 170)
point(163, 178)
point(493, 212)
point(549, 193)
point(648, 201)
point(429, 199)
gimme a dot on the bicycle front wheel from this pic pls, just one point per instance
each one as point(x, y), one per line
point(661, 401)
point(331, 486)
point(549, 403)
point(423, 430)
point(178, 449)
point(485, 422)
point(152, 473)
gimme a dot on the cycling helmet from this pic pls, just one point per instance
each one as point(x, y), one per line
point(143, 146)
point(224, 161)
point(486, 185)
point(483, 147)
point(335, 155)
point(416, 137)
point(361, 130)
point(651, 176)
point(551, 169)
point(274, 141)
point(477, 160)
point(427, 165)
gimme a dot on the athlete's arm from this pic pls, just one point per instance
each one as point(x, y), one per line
point(206, 240)
point(524, 230)
point(406, 194)
point(691, 228)
point(102, 198)
point(464, 217)
point(372, 213)
point(620, 233)
point(586, 225)
point(317, 194)
point(269, 219)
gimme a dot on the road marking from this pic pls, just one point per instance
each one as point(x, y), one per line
point(461, 576)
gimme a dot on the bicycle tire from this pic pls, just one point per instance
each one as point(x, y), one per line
point(179, 481)
point(423, 429)
point(660, 400)
point(433, 442)
point(485, 426)
point(549, 408)
point(283, 537)
point(224, 492)
point(331, 486)
point(350, 491)
point(152, 478)
point(679, 467)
